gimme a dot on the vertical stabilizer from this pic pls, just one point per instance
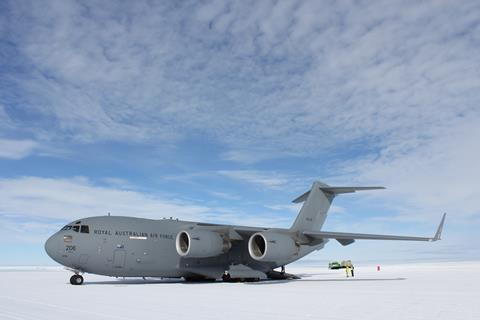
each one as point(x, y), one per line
point(314, 210)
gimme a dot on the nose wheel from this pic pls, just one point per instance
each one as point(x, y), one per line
point(76, 280)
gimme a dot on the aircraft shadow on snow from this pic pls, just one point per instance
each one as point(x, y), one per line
point(124, 282)
point(326, 280)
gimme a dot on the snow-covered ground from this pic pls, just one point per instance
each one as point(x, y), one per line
point(411, 291)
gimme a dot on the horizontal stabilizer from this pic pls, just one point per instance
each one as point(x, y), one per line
point(344, 237)
point(334, 191)
point(337, 190)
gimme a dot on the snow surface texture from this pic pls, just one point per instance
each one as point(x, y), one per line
point(423, 291)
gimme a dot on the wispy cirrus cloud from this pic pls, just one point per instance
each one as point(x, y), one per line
point(17, 230)
point(69, 198)
point(290, 78)
point(16, 149)
point(225, 195)
point(440, 176)
point(269, 180)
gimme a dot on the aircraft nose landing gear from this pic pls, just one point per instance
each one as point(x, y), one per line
point(76, 279)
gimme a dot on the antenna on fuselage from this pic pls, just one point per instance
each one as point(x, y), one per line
point(109, 214)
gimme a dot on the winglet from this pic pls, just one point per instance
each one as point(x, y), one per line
point(438, 234)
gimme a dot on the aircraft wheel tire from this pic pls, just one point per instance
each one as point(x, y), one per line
point(76, 280)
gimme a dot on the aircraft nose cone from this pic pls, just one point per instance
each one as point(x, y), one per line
point(51, 246)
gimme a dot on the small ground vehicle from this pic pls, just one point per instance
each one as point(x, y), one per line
point(335, 265)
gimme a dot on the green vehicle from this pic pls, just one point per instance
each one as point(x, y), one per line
point(334, 265)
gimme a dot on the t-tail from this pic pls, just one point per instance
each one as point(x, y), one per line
point(316, 203)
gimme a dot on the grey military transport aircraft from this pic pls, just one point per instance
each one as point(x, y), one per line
point(134, 247)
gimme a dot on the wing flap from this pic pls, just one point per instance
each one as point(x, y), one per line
point(357, 236)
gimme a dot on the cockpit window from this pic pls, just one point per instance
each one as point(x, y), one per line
point(66, 228)
point(76, 228)
point(78, 222)
point(84, 229)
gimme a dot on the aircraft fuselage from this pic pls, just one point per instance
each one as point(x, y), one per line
point(136, 247)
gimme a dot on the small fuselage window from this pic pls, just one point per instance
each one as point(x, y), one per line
point(67, 238)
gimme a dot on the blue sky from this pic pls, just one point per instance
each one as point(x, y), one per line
point(226, 111)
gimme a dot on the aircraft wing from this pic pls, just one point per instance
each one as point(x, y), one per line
point(347, 238)
point(234, 232)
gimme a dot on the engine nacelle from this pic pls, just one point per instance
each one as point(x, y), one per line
point(201, 244)
point(271, 246)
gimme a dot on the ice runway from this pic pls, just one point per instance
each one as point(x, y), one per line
point(413, 291)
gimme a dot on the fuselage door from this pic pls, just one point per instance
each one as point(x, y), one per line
point(119, 259)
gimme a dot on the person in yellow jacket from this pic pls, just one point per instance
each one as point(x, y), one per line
point(347, 270)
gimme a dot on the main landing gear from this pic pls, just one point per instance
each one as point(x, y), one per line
point(226, 277)
point(76, 280)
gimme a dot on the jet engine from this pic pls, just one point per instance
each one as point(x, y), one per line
point(201, 244)
point(271, 246)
